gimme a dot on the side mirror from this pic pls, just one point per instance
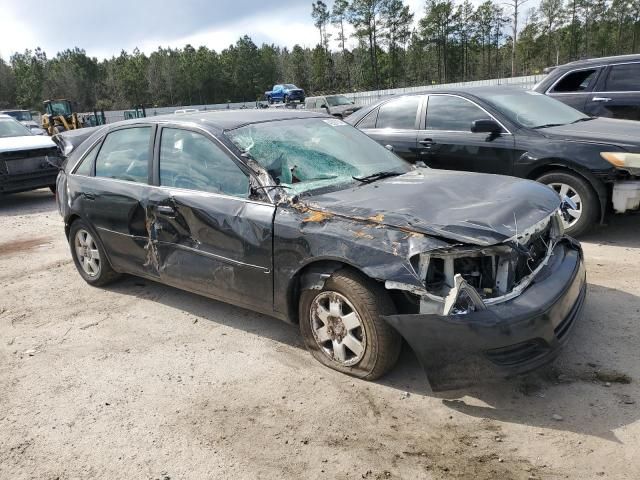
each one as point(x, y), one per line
point(485, 126)
point(324, 105)
point(389, 147)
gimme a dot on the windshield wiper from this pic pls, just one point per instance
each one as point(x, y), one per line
point(583, 119)
point(269, 187)
point(547, 125)
point(376, 176)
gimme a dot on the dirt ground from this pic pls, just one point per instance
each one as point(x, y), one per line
point(143, 381)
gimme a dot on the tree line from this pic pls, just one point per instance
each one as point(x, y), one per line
point(362, 45)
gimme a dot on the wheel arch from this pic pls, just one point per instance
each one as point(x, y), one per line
point(554, 164)
point(67, 225)
point(313, 275)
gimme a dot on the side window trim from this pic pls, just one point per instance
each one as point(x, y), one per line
point(506, 130)
point(597, 68)
point(372, 113)
point(95, 145)
point(216, 141)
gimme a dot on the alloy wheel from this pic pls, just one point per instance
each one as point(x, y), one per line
point(337, 328)
point(565, 190)
point(87, 253)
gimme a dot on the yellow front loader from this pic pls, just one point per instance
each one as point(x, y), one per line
point(59, 117)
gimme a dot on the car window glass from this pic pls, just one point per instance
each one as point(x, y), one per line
point(445, 112)
point(576, 81)
point(86, 165)
point(369, 121)
point(399, 113)
point(192, 161)
point(624, 78)
point(125, 155)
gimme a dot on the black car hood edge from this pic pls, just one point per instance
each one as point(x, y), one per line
point(466, 207)
point(624, 133)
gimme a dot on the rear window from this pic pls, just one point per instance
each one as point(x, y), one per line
point(578, 81)
point(624, 78)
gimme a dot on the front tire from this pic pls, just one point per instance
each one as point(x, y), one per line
point(89, 255)
point(577, 188)
point(343, 328)
point(285, 100)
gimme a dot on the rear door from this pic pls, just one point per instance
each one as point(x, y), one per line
point(207, 235)
point(446, 140)
point(618, 94)
point(395, 124)
point(576, 86)
point(113, 179)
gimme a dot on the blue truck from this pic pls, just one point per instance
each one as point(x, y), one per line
point(285, 93)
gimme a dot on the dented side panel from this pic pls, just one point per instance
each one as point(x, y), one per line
point(304, 236)
point(115, 209)
point(217, 245)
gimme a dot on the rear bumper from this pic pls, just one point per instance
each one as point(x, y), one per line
point(515, 336)
point(28, 181)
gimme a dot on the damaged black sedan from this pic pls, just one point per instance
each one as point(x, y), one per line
point(303, 217)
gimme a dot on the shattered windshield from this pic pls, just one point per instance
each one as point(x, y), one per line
point(315, 153)
point(337, 100)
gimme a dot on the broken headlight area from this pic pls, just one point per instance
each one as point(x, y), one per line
point(463, 279)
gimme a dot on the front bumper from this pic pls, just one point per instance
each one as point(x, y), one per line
point(295, 95)
point(28, 181)
point(515, 336)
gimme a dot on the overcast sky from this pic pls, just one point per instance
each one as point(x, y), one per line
point(104, 28)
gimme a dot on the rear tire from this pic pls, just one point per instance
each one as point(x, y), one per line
point(89, 255)
point(576, 187)
point(373, 346)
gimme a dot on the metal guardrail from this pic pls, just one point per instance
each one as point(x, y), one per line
point(359, 98)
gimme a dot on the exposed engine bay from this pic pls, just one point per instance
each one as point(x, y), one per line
point(465, 279)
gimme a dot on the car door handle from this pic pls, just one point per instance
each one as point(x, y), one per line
point(166, 209)
point(600, 99)
point(427, 142)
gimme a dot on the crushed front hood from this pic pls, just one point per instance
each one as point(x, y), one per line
point(468, 207)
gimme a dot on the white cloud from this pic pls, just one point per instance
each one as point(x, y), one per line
point(16, 35)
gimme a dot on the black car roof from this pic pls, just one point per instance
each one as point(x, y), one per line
point(229, 119)
point(600, 61)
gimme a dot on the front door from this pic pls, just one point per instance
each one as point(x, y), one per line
point(207, 235)
point(447, 141)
